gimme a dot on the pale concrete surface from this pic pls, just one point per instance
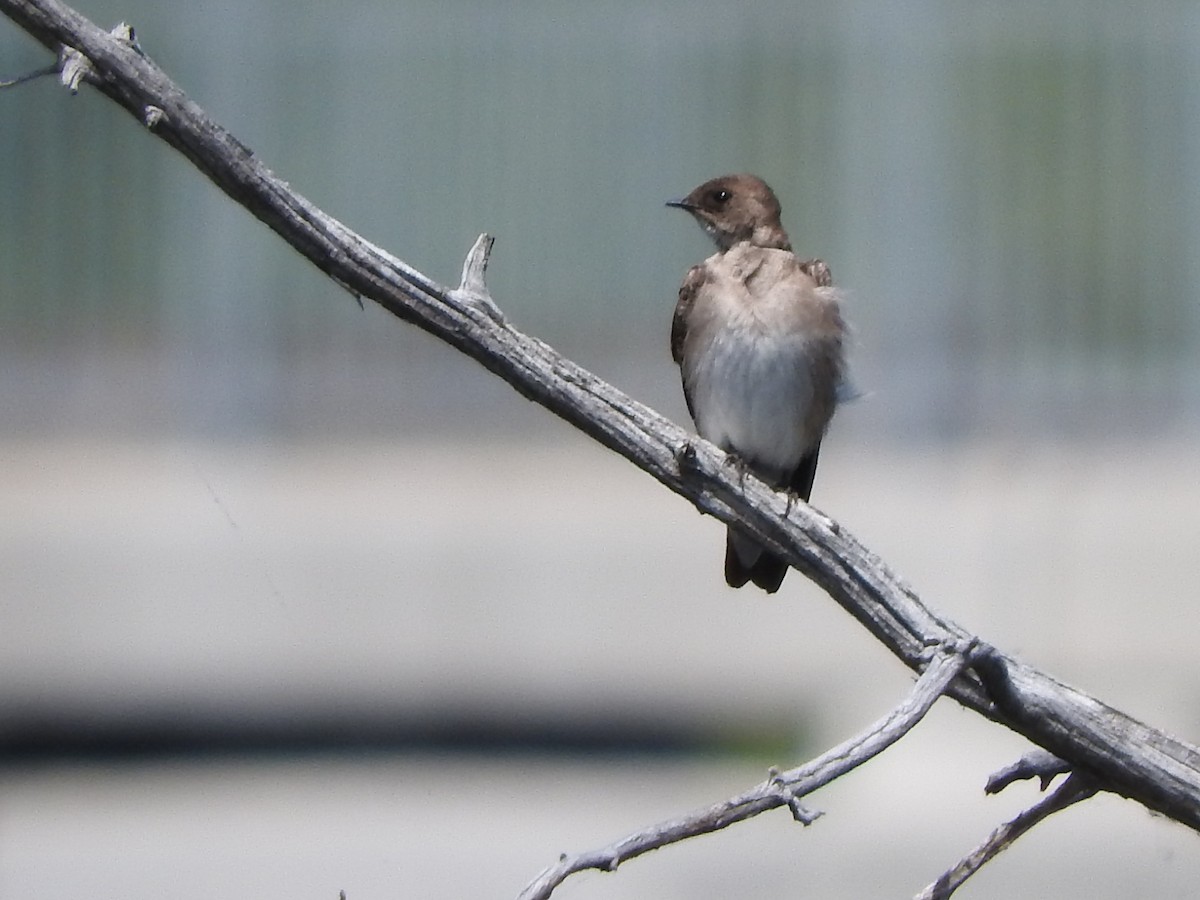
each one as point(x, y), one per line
point(269, 579)
point(454, 827)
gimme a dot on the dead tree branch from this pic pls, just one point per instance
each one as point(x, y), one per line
point(1073, 790)
point(1119, 753)
point(780, 789)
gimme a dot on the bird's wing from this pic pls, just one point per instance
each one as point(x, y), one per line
point(692, 284)
point(801, 481)
point(687, 296)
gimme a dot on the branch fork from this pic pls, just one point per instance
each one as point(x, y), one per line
point(1076, 788)
point(945, 664)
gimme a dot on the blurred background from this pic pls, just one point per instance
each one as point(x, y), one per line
point(294, 599)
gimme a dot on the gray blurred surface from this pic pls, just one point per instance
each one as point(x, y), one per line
point(550, 579)
point(262, 577)
point(503, 578)
point(452, 827)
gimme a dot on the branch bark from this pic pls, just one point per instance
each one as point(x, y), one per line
point(1120, 753)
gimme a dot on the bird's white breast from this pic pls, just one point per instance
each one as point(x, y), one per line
point(752, 388)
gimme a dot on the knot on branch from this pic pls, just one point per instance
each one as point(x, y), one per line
point(790, 794)
point(152, 116)
point(962, 648)
point(992, 669)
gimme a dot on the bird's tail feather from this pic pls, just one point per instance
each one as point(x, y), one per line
point(746, 561)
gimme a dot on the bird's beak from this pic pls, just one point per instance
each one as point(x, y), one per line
point(682, 203)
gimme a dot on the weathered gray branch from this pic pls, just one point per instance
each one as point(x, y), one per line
point(780, 789)
point(1074, 789)
point(1120, 753)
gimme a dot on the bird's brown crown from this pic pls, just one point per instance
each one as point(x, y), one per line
point(736, 208)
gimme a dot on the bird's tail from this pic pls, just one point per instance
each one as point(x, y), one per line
point(746, 561)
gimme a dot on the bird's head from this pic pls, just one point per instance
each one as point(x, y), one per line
point(736, 208)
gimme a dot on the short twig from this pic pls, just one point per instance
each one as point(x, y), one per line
point(780, 788)
point(1037, 763)
point(1075, 788)
point(472, 289)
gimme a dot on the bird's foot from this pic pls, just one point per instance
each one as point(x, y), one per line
point(739, 466)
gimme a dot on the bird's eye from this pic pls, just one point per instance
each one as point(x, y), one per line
point(720, 197)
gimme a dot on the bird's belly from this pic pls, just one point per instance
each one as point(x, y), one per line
point(752, 394)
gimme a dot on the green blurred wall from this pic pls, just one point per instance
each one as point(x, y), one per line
point(1008, 192)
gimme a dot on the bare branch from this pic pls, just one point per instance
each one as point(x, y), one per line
point(1125, 755)
point(780, 789)
point(1074, 789)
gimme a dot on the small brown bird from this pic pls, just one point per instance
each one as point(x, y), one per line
point(758, 338)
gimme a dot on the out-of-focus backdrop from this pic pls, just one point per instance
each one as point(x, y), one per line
point(294, 599)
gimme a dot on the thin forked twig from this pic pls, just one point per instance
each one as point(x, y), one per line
point(781, 789)
point(1075, 788)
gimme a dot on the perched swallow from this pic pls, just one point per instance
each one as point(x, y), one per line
point(758, 336)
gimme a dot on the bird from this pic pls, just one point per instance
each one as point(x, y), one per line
point(759, 339)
